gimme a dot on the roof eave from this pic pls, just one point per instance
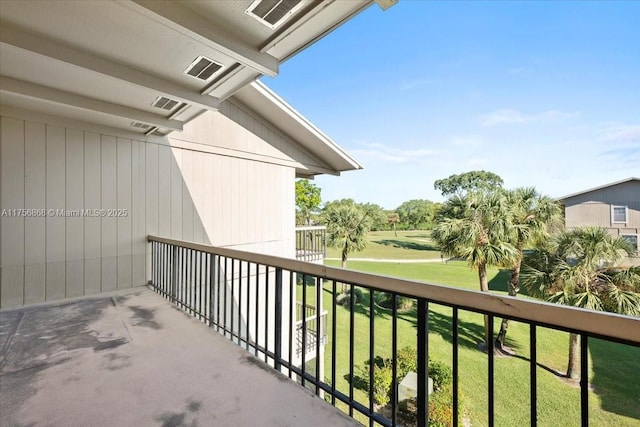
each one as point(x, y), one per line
point(622, 181)
point(268, 104)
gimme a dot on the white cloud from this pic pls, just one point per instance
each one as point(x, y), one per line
point(378, 151)
point(466, 141)
point(518, 70)
point(416, 84)
point(622, 133)
point(511, 116)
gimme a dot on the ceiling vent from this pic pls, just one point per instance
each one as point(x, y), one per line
point(140, 125)
point(202, 68)
point(273, 13)
point(165, 103)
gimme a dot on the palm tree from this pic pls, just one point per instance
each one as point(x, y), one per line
point(532, 215)
point(393, 218)
point(578, 268)
point(347, 229)
point(476, 227)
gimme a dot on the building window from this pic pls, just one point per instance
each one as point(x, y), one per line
point(618, 214)
point(633, 239)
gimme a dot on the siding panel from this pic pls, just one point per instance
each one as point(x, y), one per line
point(56, 200)
point(74, 225)
point(12, 227)
point(109, 227)
point(138, 233)
point(123, 212)
point(92, 224)
point(35, 198)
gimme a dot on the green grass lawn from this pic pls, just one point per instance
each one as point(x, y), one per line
point(615, 368)
point(384, 244)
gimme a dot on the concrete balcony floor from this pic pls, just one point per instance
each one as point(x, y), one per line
point(133, 359)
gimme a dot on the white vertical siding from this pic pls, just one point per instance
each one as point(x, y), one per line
point(168, 191)
point(12, 227)
point(55, 223)
point(109, 224)
point(138, 213)
point(74, 225)
point(35, 198)
point(123, 212)
point(92, 224)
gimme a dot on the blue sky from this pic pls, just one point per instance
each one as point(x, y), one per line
point(544, 94)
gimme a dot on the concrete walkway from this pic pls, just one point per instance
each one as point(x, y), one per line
point(399, 261)
point(135, 360)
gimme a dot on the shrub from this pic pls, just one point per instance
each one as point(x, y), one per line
point(382, 379)
point(309, 280)
point(385, 300)
point(407, 362)
point(441, 408)
point(441, 375)
point(344, 299)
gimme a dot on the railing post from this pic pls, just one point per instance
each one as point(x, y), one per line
point(278, 321)
point(174, 270)
point(423, 364)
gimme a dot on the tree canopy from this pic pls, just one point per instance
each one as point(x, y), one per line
point(469, 181)
point(416, 212)
point(347, 228)
point(308, 199)
point(577, 268)
point(532, 217)
point(477, 227)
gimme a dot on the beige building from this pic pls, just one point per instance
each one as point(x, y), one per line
point(615, 207)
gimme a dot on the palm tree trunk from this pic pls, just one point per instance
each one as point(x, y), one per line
point(513, 292)
point(573, 368)
point(484, 287)
point(394, 230)
point(344, 265)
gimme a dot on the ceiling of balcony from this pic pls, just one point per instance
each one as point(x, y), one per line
point(106, 62)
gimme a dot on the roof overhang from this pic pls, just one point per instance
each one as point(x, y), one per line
point(579, 193)
point(106, 62)
point(277, 111)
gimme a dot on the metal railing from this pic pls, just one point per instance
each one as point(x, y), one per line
point(250, 298)
point(307, 320)
point(311, 243)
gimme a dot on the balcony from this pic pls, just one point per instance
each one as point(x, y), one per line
point(233, 359)
point(311, 243)
point(307, 324)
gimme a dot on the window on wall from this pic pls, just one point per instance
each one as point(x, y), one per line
point(633, 239)
point(618, 214)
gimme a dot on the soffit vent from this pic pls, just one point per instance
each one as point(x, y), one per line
point(165, 103)
point(202, 68)
point(273, 13)
point(140, 125)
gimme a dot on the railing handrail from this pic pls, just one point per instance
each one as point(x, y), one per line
point(603, 324)
point(310, 227)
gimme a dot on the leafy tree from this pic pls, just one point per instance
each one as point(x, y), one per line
point(577, 268)
point(416, 212)
point(347, 229)
point(532, 215)
point(307, 200)
point(377, 216)
point(468, 182)
point(393, 218)
point(476, 227)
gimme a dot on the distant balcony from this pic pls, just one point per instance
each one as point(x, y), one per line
point(311, 243)
point(308, 335)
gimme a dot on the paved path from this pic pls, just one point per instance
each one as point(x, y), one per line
point(399, 261)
